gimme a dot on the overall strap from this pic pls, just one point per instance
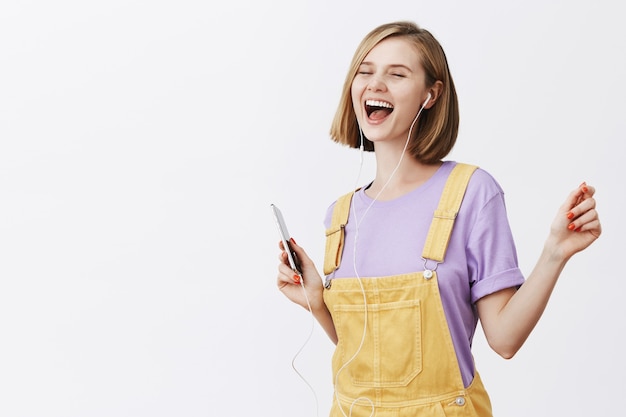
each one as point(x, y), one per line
point(335, 234)
point(443, 218)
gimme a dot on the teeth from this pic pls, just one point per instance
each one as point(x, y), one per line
point(376, 103)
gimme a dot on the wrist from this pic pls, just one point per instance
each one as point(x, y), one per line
point(553, 254)
point(318, 306)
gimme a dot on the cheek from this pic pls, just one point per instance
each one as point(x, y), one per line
point(356, 91)
point(410, 104)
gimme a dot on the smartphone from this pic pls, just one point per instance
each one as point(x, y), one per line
point(285, 237)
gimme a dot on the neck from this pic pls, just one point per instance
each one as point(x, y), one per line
point(393, 180)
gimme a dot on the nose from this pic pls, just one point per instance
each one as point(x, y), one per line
point(376, 83)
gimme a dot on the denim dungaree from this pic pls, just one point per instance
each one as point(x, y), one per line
point(406, 365)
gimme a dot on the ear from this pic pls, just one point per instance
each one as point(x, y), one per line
point(435, 92)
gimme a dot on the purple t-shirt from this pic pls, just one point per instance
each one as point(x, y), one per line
point(481, 258)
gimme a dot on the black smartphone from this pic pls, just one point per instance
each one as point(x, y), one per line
point(285, 237)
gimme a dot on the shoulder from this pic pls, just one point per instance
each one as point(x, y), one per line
point(342, 200)
point(482, 188)
point(483, 182)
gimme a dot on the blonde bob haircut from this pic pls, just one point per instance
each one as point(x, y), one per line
point(437, 127)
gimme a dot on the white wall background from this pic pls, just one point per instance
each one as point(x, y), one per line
point(141, 143)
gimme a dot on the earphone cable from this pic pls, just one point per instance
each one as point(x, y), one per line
point(354, 255)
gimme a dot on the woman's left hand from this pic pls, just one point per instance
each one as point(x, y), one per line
point(577, 224)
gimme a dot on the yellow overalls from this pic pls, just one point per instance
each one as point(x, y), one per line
point(405, 365)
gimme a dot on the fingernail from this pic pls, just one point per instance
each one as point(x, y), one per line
point(570, 215)
point(585, 189)
point(296, 279)
point(579, 229)
point(571, 226)
point(293, 240)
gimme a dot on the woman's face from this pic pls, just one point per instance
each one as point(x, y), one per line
point(388, 90)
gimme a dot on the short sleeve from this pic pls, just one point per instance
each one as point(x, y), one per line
point(491, 252)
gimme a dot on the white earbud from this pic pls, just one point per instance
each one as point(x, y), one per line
point(427, 100)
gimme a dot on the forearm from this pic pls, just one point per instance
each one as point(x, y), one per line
point(519, 316)
point(323, 317)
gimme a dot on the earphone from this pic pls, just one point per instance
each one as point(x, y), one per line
point(427, 100)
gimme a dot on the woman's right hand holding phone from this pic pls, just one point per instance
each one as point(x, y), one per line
point(294, 286)
point(290, 282)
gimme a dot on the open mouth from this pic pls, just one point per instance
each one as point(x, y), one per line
point(378, 110)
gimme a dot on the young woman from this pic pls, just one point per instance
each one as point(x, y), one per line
point(417, 256)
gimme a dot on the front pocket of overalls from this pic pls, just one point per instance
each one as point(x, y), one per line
point(391, 353)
